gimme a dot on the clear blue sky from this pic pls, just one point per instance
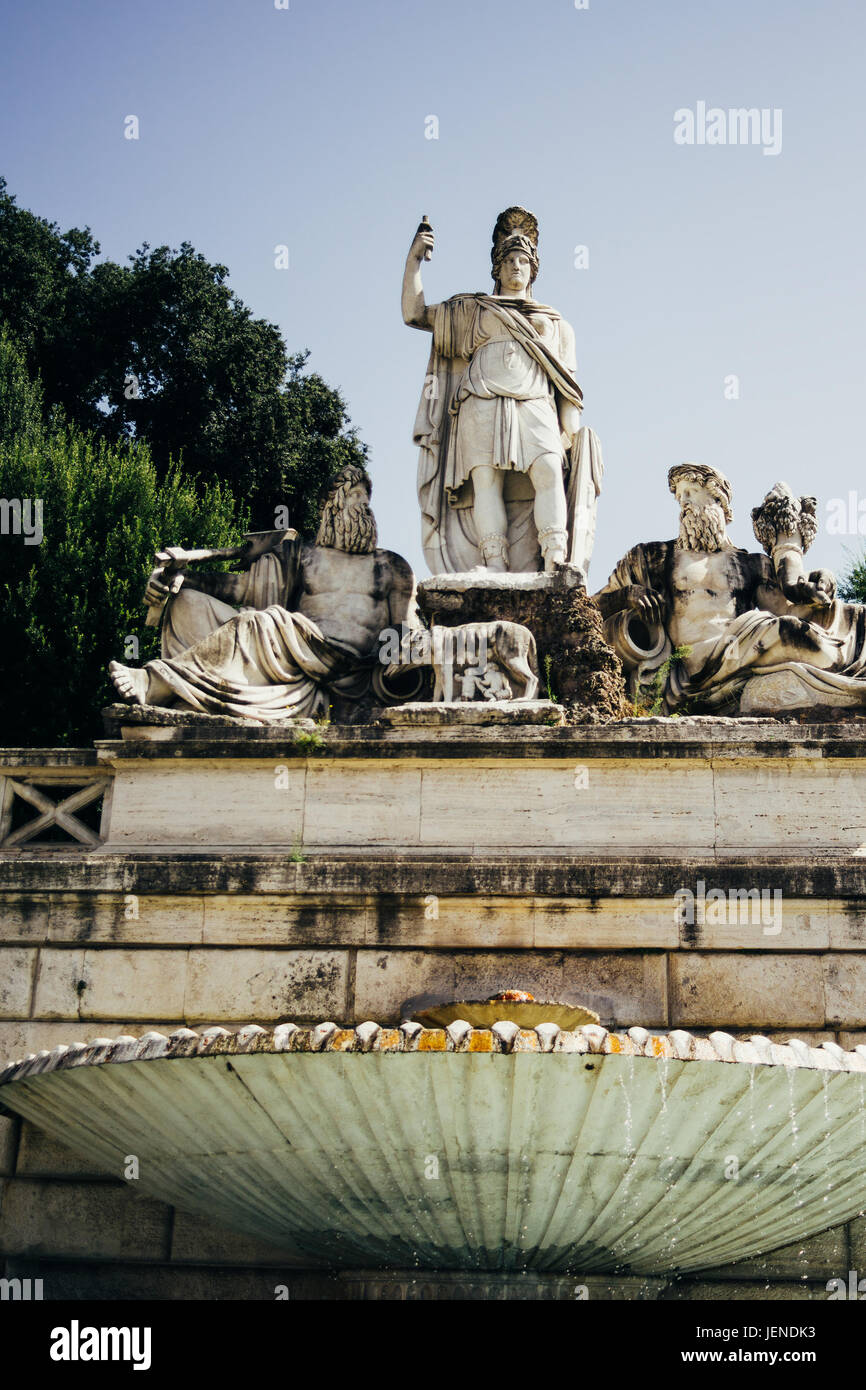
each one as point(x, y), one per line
point(262, 126)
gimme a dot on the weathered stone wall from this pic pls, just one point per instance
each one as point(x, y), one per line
point(219, 896)
point(71, 961)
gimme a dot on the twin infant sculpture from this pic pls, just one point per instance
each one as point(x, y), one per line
point(508, 482)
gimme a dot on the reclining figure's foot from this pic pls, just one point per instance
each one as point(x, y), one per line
point(131, 684)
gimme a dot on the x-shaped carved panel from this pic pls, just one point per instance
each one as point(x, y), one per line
point(60, 813)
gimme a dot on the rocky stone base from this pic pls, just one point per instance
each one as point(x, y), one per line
point(577, 668)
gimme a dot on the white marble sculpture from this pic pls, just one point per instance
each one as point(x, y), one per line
point(712, 627)
point(309, 624)
point(332, 619)
point(507, 478)
point(491, 661)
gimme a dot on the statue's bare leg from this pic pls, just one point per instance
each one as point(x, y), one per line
point(491, 521)
point(551, 511)
point(138, 685)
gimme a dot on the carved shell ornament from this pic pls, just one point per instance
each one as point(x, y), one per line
point(512, 1005)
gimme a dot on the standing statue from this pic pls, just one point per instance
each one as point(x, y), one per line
point(707, 626)
point(506, 478)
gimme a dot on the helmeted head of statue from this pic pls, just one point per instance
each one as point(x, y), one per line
point(514, 253)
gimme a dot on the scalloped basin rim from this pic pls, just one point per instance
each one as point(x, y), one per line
point(458, 1036)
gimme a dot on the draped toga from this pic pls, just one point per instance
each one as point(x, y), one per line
point(264, 662)
point(497, 369)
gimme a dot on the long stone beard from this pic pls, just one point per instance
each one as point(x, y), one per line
point(352, 529)
point(702, 528)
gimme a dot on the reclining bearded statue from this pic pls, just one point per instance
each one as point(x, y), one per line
point(707, 626)
point(309, 625)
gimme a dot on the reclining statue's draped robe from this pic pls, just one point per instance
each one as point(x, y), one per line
point(263, 662)
point(490, 397)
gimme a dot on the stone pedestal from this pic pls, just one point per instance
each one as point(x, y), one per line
point(475, 714)
point(576, 666)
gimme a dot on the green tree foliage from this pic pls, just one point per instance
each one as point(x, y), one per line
point(70, 604)
point(21, 408)
point(162, 349)
point(852, 583)
point(44, 280)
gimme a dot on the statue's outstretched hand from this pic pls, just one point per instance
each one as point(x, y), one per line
point(158, 589)
point(421, 244)
point(825, 584)
point(817, 591)
point(648, 603)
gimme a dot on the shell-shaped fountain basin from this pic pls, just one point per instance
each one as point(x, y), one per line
point(469, 1148)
